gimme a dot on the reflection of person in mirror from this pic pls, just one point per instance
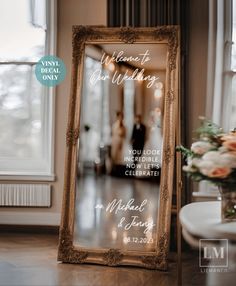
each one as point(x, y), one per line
point(153, 142)
point(118, 139)
point(138, 137)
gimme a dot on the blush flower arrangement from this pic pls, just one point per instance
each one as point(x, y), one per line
point(212, 157)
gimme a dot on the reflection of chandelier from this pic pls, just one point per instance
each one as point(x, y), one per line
point(158, 93)
point(111, 67)
point(159, 85)
point(158, 90)
point(158, 111)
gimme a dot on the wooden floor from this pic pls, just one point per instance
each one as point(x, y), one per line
point(30, 259)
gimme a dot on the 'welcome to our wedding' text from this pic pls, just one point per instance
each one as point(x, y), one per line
point(117, 77)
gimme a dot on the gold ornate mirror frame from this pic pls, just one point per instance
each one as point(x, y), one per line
point(82, 35)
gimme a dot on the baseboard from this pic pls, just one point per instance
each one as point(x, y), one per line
point(33, 229)
point(30, 218)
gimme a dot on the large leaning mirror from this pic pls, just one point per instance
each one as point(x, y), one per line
point(120, 146)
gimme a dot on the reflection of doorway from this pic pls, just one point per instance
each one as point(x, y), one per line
point(97, 98)
point(129, 97)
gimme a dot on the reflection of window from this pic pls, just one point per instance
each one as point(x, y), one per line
point(106, 128)
point(95, 120)
point(25, 105)
point(91, 112)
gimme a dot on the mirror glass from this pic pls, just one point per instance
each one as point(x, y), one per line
point(120, 146)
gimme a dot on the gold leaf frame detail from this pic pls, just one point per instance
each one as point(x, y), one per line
point(72, 136)
point(81, 35)
point(112, 257)
point(128, 35)
point(67, 252)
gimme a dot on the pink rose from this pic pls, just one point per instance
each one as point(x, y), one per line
point(219, 172)
point(201, 147)
point(230, 144)
point(231, 135)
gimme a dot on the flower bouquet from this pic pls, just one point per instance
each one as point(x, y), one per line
point(213, 158)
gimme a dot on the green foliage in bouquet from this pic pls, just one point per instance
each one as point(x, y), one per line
point(209, 130)
point(212, 157)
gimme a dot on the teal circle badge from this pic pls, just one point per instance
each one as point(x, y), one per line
point(50, 71)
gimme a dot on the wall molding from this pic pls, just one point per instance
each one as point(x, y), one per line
point(29, 218)
point(27, 177)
